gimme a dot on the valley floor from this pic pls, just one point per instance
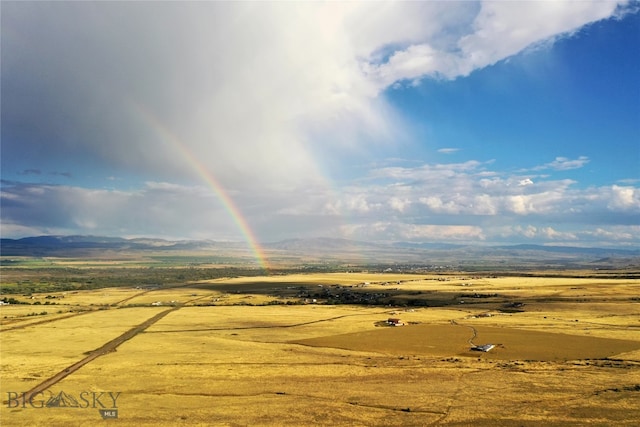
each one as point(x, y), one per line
point(199, 354)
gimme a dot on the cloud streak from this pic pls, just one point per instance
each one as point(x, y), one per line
point(563, 164)
point(448, 150)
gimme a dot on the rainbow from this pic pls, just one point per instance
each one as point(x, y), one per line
point(211, 181)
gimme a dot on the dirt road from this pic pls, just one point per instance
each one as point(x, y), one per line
point(106, 348)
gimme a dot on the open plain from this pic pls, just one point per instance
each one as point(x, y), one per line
point(301, 349)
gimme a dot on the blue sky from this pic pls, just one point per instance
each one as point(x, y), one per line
point(458, 122)
point(568, 101)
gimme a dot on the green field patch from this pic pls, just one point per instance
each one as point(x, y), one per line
point(449, 340)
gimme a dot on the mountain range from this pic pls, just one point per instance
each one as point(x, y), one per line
point(328, 249)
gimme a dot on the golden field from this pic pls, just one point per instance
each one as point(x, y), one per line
point(232, 352)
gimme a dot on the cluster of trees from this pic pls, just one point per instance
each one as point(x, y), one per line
point(10, 300)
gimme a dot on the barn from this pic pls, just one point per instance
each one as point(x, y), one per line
point(394, 321)
point(484, 347)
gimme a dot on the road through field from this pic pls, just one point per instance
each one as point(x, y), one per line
point(42, 322)
point(106, 348)
point(238, 328)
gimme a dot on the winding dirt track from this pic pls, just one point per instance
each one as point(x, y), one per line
point(475, 332)
point(106, 348)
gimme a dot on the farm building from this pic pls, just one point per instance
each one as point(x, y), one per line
point(484, 347)
point(393, 321)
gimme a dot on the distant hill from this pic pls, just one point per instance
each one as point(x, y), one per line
point(336, 251)
point(75, 245)
point(574, 250)
point(428, 245)
point(320, 244)
point(522, 248)
point(43, 245)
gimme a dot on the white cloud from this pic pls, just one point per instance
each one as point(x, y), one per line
point(519, 204)
point(439, 192)
point(159, 209)
point(358, 203)
point(442, 190)
point(531, 232)
point(448, 150)
point(442, 232)
point(436, 202)
point(629, 181)
point(398, 204)
point(563, 163)
point(606, 236)
point(484, 204)
point(502, 29)
point(394, 231)
point(625, 234)
point(499, 30)
point(624, 198)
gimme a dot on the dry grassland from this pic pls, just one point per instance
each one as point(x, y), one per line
point(445, 340)
point(105, 296)
point(569, 357)
point(32, 354)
